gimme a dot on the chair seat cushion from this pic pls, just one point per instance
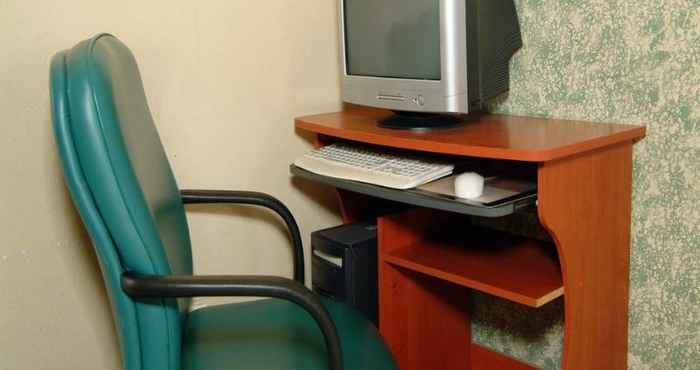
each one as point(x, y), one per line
point(273, 334)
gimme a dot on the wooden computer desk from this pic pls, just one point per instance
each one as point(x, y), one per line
point(427, 257)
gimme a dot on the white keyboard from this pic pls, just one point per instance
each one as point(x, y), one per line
point(373, 166)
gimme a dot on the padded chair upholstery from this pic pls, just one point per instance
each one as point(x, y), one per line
point(277, 335)
point(123, 187)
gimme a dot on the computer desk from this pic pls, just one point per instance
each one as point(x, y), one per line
point(428, 257)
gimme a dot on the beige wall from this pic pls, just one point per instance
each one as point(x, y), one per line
point(224, 80)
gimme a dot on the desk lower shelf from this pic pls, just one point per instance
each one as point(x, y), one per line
point(418, 197)
point(522, 270)
point(426, 260)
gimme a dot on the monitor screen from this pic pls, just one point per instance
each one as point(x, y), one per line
point(393, 38)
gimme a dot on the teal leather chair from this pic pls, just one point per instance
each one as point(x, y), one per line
point(123, 187)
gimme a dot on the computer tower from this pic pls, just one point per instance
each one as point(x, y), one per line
point(344, 266)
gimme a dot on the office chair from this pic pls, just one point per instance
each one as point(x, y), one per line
point(123, 187)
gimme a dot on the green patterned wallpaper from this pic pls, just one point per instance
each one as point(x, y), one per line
point(629, 61)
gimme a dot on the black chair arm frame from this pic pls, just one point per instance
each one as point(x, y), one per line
point(155, 286)
point(257, 199)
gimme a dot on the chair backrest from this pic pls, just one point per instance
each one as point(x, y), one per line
point(123, 187)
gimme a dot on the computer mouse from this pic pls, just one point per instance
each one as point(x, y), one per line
point(469, 185)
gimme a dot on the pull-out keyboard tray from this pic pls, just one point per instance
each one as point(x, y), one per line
point(423, 198)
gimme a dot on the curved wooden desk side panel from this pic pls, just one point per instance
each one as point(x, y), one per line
point(585, 203)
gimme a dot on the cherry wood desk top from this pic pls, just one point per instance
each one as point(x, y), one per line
point(485, 135)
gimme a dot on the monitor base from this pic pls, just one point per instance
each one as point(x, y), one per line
point(418, 121)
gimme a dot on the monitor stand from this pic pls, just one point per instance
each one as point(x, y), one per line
point(419, 121)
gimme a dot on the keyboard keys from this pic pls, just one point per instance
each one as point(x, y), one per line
point(360, 163)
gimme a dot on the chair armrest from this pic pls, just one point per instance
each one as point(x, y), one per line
point(257, 199)
point(155, 286)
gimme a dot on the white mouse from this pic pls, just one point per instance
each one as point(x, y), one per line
point(469, 185)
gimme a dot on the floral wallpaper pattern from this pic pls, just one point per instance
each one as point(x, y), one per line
point(627, 61)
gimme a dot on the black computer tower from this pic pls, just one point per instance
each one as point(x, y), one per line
point(344, 266)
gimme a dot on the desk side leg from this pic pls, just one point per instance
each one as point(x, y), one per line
point(425, 321)
point(585, 204)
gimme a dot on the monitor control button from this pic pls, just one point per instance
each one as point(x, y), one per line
point(419, 100)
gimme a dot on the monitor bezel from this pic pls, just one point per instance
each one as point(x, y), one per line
point(447, 95)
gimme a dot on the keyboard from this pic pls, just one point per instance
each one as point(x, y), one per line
point(370, 165)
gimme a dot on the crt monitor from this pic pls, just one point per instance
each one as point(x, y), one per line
point(425, 57)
